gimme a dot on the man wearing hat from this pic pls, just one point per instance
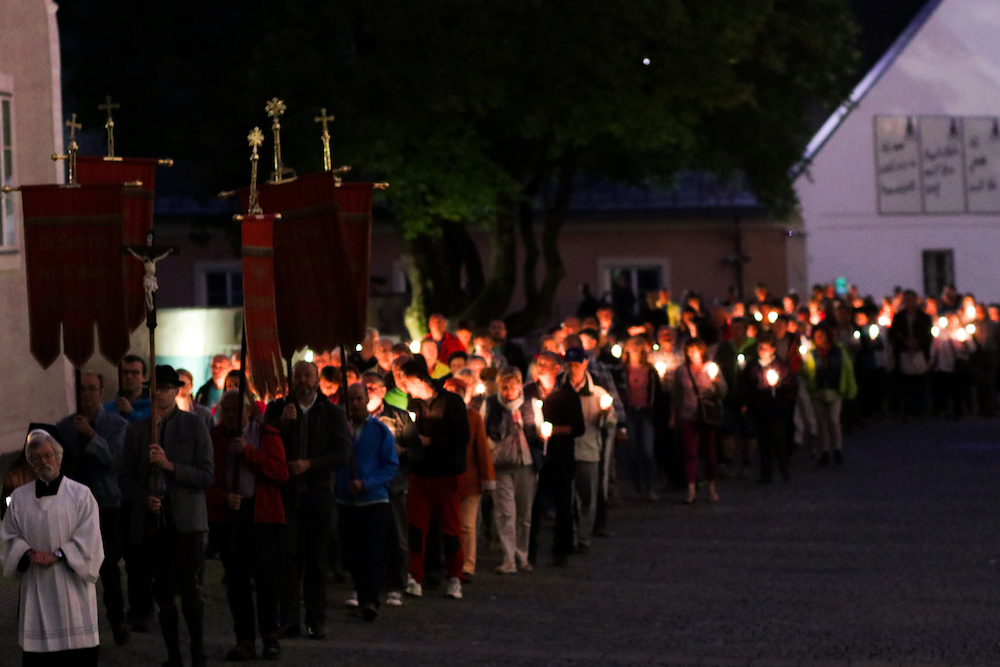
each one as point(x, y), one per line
point(168, 481)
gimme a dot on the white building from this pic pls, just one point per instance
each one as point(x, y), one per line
point(901, 186)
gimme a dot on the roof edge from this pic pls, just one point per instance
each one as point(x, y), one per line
point(838, 117)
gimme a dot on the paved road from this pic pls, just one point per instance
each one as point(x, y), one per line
point(891, 559)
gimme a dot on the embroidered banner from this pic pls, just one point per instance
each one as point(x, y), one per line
point(265, 372)
point(355, 201)
point(316, 292)
point(73, 259)
point(138, 212)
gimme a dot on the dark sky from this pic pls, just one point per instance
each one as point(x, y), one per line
point(881, 22)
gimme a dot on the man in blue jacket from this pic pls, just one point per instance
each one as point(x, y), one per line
point(362, 494)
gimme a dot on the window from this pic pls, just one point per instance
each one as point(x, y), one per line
point(219, 284)
point(8, 224)
point(939, 270)
point(639, 275)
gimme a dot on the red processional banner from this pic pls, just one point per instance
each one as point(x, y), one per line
point(265, 371)
point(73, 258)
point(138, 213)
point(321, 260)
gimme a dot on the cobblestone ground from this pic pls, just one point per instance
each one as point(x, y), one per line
point(890, 559)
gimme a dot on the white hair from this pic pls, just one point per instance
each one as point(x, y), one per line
point(38, 437)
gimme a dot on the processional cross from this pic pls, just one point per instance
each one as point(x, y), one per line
point(109, 124)
point(72, 148)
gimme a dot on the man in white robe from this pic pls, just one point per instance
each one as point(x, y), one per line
point(51, 540)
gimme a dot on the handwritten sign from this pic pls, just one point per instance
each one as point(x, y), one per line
point(937, 164)
point(941, 164)
point(897, 163)
point(982, 164)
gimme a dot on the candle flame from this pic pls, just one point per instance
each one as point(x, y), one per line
point(606, 401)
point(712, 368)
point(547, 430)
point(772, 377)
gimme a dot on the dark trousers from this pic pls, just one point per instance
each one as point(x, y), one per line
point(397, 544)
point(556, 480)
point(111, 576)
point(772, 440)
point(137, 569)
point(81, 657)
point(303, 560)
point(249, 552)
point(871, 391)
point(434, 497)
point(363, 531)
point(176, 559)
point(693, 437)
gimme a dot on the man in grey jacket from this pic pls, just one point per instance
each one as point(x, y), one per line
point(92, 453)
point(168, 482)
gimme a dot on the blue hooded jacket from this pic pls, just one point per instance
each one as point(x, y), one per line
point(373, 461)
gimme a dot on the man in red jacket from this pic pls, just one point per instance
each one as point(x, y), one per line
point(447, 343)
point(246, 515)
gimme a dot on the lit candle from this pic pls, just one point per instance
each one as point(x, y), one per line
point(873, 331)
point(803, 349)
point(757, 316)
point(480, 388)
point(712, 369)
point(606, 401)
point(961, 336)
point(616, 350)
point(857, 334)
point(547, 430)
point(772, 377)
point(971, 328)
point(772, 317)
point(656, 348)
point(413, 416)
point(970, 312)
point(935, 332)
point(358, 347)
point(661, 367)
point(308, 356)
point(884, 320)
point(415, 347)
point(741, 360)
point(942, 322)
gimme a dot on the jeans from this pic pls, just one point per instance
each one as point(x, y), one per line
point(830, 437)
point(363, 530)
point(639, 423)
point(695, 436)
point(585, 482)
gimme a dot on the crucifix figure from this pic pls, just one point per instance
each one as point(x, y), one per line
point(72, 148)
point(109, 124)
point(149, 277)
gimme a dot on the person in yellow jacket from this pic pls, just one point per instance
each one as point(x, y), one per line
point(829, 378)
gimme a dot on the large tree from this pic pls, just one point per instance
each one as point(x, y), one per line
point(482, 115)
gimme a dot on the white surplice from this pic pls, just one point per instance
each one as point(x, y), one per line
point(58, 603)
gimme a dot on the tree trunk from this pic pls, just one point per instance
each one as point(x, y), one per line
point(415, 315)
point(537, 311)
point(495, 297)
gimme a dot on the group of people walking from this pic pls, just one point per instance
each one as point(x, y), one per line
point(393, 464)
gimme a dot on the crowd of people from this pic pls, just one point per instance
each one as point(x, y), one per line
point(392, 464)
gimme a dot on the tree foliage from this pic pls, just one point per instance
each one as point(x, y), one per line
point(471, 110)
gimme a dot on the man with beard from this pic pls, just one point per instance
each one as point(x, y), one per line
point(51, 541)
point(93, 441)
point(167, 481)
point(317, 442)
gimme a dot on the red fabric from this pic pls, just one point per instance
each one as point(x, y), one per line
point(449, 343)
point(319, 259)
point(73, 260)
point(138, 212)
point(264, 366)
point(270, 468)
point(435, 496)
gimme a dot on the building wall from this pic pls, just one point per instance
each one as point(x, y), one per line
point(29, 60)
point(951, 68)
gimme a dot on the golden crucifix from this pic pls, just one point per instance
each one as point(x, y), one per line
point(109, 124)
point(275, 109)
point(323, 118)
point(72, 148)
point(255, 139)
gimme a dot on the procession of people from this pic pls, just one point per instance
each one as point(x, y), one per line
point(397, 465)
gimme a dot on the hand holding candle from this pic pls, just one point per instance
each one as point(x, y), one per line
point(547, 430)
point(712, 369)
point(606, 401)
point(661, 368)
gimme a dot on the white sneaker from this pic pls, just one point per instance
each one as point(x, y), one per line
point(412, 587)
point(352, 601)
point(454, 588)
point(394, 599)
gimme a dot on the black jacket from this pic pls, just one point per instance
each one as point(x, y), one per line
point(327, 446)
point(445, 421)
point(561, 407)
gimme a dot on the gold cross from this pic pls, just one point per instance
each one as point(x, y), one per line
point(109, 124)
point(73, 127)
point(255, 139)
point(323, 118)
point(275, 108)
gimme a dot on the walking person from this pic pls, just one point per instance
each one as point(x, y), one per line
point(247, 518)
point(641, 403)
point(51, 540)
point(362, 493)
point(697, 397)
point(829, 378)
point(770, 391)
point(512, 423)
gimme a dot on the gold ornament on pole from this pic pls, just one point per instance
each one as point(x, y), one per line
point(109, 124)
point(255, 139)
point(275, 109)
point(323, 118)
point(72, 148)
